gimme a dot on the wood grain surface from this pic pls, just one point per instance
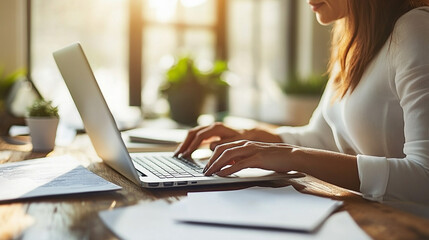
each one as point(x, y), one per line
point(76, 216)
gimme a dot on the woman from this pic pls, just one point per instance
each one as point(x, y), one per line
point(370, 132)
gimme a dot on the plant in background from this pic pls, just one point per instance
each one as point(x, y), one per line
point(6, 83)
point(43, 108)
point(313, 85)
point(213, 79)
point(186, 88)
point(185, 72)
point(42, 121)
point(219, 88)
point(180, 74)
point(302, 97)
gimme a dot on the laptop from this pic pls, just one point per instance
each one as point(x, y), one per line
point(149, 170)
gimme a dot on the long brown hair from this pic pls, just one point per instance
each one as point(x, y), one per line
point(358, 38)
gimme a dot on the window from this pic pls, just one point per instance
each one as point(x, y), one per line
point(170, 28)
point(102, 28)
point(130, 44)
point(257, 38)
point(268, 40)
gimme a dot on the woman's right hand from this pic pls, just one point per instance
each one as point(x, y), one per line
point(222, 134)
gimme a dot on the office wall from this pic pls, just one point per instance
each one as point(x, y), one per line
point(12, 34)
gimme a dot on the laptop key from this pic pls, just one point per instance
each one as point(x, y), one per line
point(167, 167)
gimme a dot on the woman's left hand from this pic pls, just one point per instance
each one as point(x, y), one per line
point(232, 157)
point(250, 154)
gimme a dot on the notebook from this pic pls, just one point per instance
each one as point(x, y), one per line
point(150, 169)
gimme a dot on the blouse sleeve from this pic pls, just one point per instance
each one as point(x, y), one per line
point(406, 178)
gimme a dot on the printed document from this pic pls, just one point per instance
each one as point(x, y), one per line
point(48, 176)
point(282, 208)
point(154, 220)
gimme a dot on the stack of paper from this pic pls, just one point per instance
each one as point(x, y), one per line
point(263, 214)
point(153, 139)
point(48, 176)
point(157, 136)
point(283, 208)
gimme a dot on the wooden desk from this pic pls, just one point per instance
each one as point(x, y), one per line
point(75, 216)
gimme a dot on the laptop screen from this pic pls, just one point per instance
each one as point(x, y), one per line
point(97, 118)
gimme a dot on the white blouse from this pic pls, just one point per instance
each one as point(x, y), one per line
point(385, 121)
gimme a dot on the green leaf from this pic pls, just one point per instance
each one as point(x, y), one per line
point(7, 81)
point(42, 108)
point(185, 72)
point(313, 85)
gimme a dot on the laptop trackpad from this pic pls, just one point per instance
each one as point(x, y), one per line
point(252, 173)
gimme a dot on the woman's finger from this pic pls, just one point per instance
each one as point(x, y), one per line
point(235, 138)
point(189, 138)
point(220, 149)
point(214, 130)
point(237, 154)
point(244, 163)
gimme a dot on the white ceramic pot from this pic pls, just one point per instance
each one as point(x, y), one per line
point(299, 109)
point(43, 131)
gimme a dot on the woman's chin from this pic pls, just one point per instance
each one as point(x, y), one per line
point(324, 21)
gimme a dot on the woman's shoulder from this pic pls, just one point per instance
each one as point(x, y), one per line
point(415, 18)
point(409, 48)
point(412, 29)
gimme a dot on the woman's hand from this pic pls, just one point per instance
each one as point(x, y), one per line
point(333, 167)
point(222, 134)
point(249, 154)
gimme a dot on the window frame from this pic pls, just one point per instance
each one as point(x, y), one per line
point(136, 25)
point(136, 42)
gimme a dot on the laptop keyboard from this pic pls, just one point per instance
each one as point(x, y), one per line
point(169, 167)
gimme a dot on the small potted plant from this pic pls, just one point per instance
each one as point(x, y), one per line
point(43, 122)
point(7, 82)
point(186, 88)
point(302, 97)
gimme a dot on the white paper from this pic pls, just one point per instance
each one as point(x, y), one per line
point(48, 176)
point(283, 208)
point(154, 220)
point(159, 136)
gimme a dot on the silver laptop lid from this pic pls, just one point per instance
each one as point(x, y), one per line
point(96, 116)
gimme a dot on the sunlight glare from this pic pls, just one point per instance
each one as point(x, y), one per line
point(165, 9)
point(166, 62)
point(204, 65)
point(192, 3)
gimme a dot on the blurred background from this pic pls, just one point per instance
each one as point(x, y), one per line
point(271, 54)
